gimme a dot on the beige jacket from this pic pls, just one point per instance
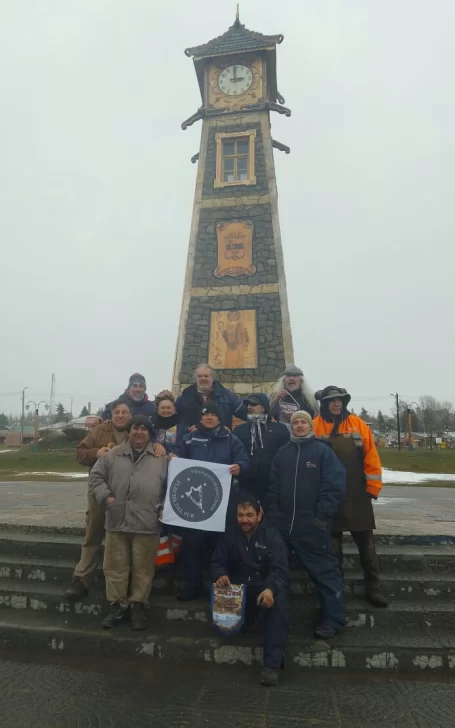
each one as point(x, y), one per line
point(138, 488)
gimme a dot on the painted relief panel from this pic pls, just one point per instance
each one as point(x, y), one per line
point(235, 249)
point(233, 99)
point(233, 340)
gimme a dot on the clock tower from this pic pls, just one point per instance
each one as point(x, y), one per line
point(234, 310)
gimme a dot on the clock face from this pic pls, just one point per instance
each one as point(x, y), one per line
point(235, 80)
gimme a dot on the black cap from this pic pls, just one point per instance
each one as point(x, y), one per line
point(141, 420)
point(253, 399)
point(258, 398)
point(210, 408)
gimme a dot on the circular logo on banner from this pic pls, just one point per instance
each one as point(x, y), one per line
point(195, 494)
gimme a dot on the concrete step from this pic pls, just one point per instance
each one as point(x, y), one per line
point(399, 585)
point(401, 615)
point(352, 650)
point(394, 557)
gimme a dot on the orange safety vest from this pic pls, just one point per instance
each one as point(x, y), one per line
point(356, 428)
point(170, 545)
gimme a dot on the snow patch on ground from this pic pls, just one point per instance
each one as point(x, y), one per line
point(397, 477)
point(60, 475)
point(1, 451)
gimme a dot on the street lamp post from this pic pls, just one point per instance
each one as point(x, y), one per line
point(35, 421)
point(397, 401)
point(22, 417)
point(409, 406)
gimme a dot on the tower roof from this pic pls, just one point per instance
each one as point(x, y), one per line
point(236, 39)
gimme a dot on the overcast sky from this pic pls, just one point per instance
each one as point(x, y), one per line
point(97, 186)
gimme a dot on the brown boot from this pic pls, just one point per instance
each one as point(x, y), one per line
point(76, 591)
point(376, 597)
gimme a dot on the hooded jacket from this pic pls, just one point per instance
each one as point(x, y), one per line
point(354, 427)
point(260, 562)
point(220, 446)
point(190, 403)
point(144, 407)
point(307, 484)
point(264, 448)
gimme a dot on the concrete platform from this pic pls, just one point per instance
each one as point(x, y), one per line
point(401, 510)
point(60, 691)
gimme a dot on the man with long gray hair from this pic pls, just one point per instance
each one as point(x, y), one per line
point(291, 394)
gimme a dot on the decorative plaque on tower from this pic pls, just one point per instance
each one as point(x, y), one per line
point(235, 249)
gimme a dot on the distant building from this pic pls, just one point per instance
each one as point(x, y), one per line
point(12, 436)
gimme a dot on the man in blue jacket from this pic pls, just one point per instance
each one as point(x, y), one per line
point(136, 398)
point(262, 439)
point(307, 485)
point(210, 442)
point(255, 555)
point(207, 389)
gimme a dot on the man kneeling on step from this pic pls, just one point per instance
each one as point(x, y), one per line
point(130, 482)
point(254, 554)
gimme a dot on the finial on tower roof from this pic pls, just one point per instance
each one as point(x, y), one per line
point(237, 15)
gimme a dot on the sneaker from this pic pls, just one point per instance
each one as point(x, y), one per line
point(116, 615)
point(377, 598)
point(325, 632)
point(138, 616)
point(269, 677)
point(77, 590)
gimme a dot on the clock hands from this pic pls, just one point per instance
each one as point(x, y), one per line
point(235, 78)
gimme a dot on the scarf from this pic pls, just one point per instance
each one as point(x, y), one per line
point(210, 430)
point(256, 432)
point(296, 439)
point(203, 390)
point(165, 423)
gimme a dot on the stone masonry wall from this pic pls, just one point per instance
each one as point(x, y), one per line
point(260, 188)
point(269, 336)
point(251, 203)
point(207, 249)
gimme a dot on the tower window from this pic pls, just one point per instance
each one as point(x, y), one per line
point(235, 159)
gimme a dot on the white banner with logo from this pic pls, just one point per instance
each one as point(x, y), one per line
point(197, 495)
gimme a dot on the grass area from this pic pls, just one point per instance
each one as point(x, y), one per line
point(426, 484)
point(26, 461)
point(418, 461)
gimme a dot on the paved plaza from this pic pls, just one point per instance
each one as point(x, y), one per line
point(115, 694)
point(400, 509)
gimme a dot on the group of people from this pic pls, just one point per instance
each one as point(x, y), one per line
point(305, 470)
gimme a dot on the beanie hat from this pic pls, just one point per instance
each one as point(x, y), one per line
point(210, 408)
point(332, 392)
point(137, 378)
point(292, 371)
point(303, 415)
point(141, 420)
